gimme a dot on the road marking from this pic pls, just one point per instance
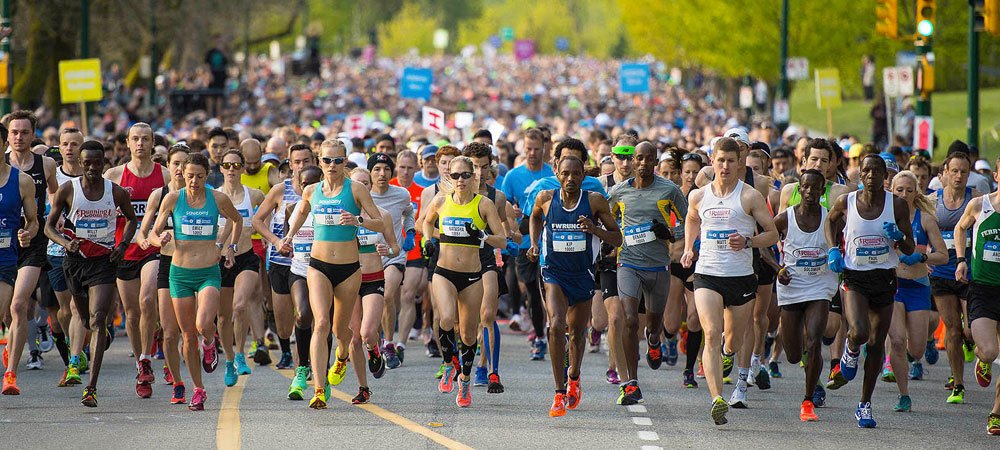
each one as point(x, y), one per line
point(649, 436)
point(636, 408)
point(391, 417)
point(650, 447)
point(227, 435)
point(644, 421)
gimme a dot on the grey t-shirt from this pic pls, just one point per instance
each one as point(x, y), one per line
point(663, 201)
point(396, 201)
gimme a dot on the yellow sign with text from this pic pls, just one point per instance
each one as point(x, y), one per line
point(80, 80)
point(827, 88)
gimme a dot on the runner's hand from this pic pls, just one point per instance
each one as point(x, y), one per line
point(143, 244)
point(532, 253)
point(961, 272)
point(512, 247)
point(662, 231)
point(118, 253)
point(347, 218)
point(688, 259)
point(911, 259)
point(784, 276)
point(284, 246)
point(165, 238)
point(382, 249)
point(430, 248)
point(835, 259)
point(474, 232)
point(737, 242)
point(22, 237)
point(408, 241)
point(73, 246)
point(892, 231)
point(228, 255)
point(586, 225)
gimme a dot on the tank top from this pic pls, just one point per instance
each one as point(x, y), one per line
point(257, 181)
point(946, 220)
point(804, 257)
point(452, 218)
point(302, 243)
point(140, 189)
point(986, 245)
point(196, 224)
point(245, 208)
point(10, 218)
point(565, 247)
point(721, 217)
point(37, 173)
point(415, 191)
point(55, 249)
point(486, 251)
point(867, 246)
point(95, 222)
point(795, 198)
point(278, 224)
point(326, 213)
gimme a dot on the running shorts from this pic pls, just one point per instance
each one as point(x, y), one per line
point(185, 282)
point(735, 291)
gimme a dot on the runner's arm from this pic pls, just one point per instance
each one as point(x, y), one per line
point(692, 225)
point(902, 213)
point(363, 198)
point(610, 234)
point(59, 203)
point(761, 213)
point(388, 234)
point(834, 220)
point(262, 217)
point(233, 218)
point(498, 240)
point(123, 201)
point(939, 255)
point(304, 208)
point(786, 195)
point(966, 222)
point(143, 233)
point(166, 208)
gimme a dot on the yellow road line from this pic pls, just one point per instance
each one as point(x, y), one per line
point(227, 434)
point(393, 417)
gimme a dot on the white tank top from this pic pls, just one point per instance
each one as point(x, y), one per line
point(94, 221)
point(721, 217)
point(245, 208)
point(867, 246)
point(301, 244)
point(804, 256)
point(53, 248)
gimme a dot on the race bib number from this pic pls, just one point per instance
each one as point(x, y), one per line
point(991, 251)
point(639, 234)
point(949, 240)
point(302, 251)
point(140, 209)
point(6, 238)
point(717, 240)
point(455, 226)
point(92, 229)
point(367, 237)
point(196, 226)
point(327, 215)
point(873, 255)
point(569, 241)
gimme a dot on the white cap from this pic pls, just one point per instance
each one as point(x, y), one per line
point(982, 164)
point(358, 159)
point(665, 156)
point(739, 134)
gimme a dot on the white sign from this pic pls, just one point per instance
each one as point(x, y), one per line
point(440, 39)
point(797, 68)
point(433, 120)
point(923, 133)
point(905, 80)
point(890, 81)
point(746, 97)
point(463, 120)
point(496, 129)
point(355, 125)
point(781, 112)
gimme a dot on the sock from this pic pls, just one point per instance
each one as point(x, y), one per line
point(486, 344)
point(495, 354)
point(744, 371)
point(302, 338)
point(755, 362)
point(561, 391)
point(74, 360)
point(468, 358)
point(577, 378)
point(669, 336)
point(60, 341)
point(834, 362)
point(691, 349)
point(144, 357)
point(447, 341)
point(286, 344)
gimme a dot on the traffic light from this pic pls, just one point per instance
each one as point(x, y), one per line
point(925, 17)
point(978, 21)
point(991, 17)
point(925, 74)
point(887, 18)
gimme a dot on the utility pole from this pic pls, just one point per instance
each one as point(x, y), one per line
point(5, 49)
point(84, 54)
point(976, 24)
point(153, 64)
point(782, 94)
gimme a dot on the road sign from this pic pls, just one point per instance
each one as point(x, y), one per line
point(634, 78)
point(827, 88)
point(905, 80)
point(923, 133)
point(433, 120)
point(797, 68)
point(746, 97)
point(524, 49)
point(416, 83)
point(355, 125)
point(781, 112)
point(80, 80)
point(890, 81)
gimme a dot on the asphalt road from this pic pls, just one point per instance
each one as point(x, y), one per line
point(408, 412)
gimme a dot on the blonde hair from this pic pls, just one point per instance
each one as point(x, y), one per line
point(447, 187)
point(333, 143)
point(921, 201)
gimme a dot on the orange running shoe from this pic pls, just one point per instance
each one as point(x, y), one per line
point(558, 408)
point(573, 394)
point(808, 413)
point(10, 384)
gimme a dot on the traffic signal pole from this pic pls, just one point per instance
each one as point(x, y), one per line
point(972, 123)
point(923, 106)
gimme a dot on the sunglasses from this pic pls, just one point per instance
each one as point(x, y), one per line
point(336, 161)
point(231, 165)
point(691, 157)
point(462, 175)
point(623, 157)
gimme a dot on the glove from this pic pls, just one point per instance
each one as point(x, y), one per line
point(408, 243)
point(912, 259)
point(430, 248)
point(474, 232)
point(892, 232)
point(835, 259)
point(661, 231)
point(512, 247)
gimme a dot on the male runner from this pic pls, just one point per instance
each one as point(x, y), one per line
point(260, 176)
point(414, 279)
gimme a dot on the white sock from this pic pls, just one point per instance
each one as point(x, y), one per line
point(144, 357)
point(743, 371)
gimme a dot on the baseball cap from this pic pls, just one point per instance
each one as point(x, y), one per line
point(890, 162)
point(381, 158)
point(855, 150)
point(428, 151)
point(269, 157)
point(982, 164)
point(739, 134)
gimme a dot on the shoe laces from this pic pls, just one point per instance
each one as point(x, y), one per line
point(199, 396)
point(494, 377)
point(865, 411)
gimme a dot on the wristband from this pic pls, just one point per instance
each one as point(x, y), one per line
point(960, 259)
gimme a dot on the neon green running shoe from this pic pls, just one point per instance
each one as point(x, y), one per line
point(969, 349)
point(299, 383)
point(957, 395)
point(84, 364)
point(440, 372)
point(337, 372)
point(719, 410)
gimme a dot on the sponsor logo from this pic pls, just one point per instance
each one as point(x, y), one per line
point(870, 241)
point(721, 213)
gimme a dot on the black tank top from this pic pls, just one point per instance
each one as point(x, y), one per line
point(37, 173)
point(487, 250)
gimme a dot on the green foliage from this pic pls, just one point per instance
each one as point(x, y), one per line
point(411, 28)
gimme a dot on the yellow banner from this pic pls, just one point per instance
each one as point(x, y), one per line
point(80, 80)
point(827, 88)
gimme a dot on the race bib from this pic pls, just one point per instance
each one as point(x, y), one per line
point(873, 255)
point(717, 240)
point(639, 234)
point(302, 251)
point(140, 209)
point(327, 215)
point(949, 240)
point(196, 226)
point(92, 229)
point(569, 241)
point(455, 226)
point(367, 237)
point(991, 251)
point(6, 238)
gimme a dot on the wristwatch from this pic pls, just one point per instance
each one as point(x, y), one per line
point(361, 220)
point(960, 259)
point(749, 242)
point(232, 247)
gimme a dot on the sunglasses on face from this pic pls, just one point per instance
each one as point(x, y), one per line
point(623, 157)
point(462, 175)
point(336, 161)
point(231, 165)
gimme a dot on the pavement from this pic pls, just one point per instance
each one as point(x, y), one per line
point(407, 411)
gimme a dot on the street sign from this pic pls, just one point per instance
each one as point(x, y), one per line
point(416, 83)
point(634, 78)
point(797, 68)
point(923, 133)
point(746, 97)
point(827, 88)
point(355, 125)
point(905, 80)
point(524, 49)
point(781, 112)
point(433, 120)
point(890, 81)
point(80, 80)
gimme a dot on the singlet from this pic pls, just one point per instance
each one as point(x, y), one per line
point(37, 173)
point(56, 249)
point(565, 247)
point(257, 181)
point(415, 192)
point(986, 245)
point(867, 246)
point(946, 220)
point(721, 217)
point(795, 198)
point(486, 251)
point(140, 189)
point(804, 256)
point(452, 218)
point(196, 224)
point(326, 213)
point(94, 222)
point(10, 218)
point(245, 208)
point(302, 243)
point(278, 224)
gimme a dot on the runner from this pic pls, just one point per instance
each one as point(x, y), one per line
point(414, 279)
point(805, 283)
point(724, 217)
point(649, 206)
point(567, 259)
point(301, 248)
point(261, 176)
point(461, 216)
point(137, 273)
point(908, 332)
point(91, 252)
point(872, 221)
point(195, 276)
point(980, 216)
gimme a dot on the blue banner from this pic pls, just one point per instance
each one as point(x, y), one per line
point(416, 83)
point(634, 78)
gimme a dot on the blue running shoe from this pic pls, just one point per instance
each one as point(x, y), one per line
point(231, 376)
point(671, 352)
point(481, 377)
point(916, 371)
point(241, 365)
point(931, 353)
point(849, 364)
point(819, 396)
point(773, 368)
point(538, 350)
point(864, 415)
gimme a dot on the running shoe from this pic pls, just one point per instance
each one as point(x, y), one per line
point(931, 353)
point(888, 375)
point(45, 343)
point(73, 376)
point(84, 361)
point(671, 352)
point(768, 343)
point(143, 389)
point(984, 373)
point(969, 350)
point(89, 397)
point(849, 364)
point(701, 370)
point(957, 396)
point(993, 425)
point(654, 353)
point(376, 363)
point(916, 370)
point(558, 408)
point(271, 340)
point(451, 371)
point(494, 387)
point(481, 379)
point(168, 378)
point(595, 340)
point(904, 405)
point(62, 381)
point(364, 394)
point(573, 394)
point(432, 349)
point(864, 415)
point(636, 393)
point(440, 372)
point(260, 354)
point(763, 379)
point(319, 399)
point(337, 372)
point(538, 350)
point(464, 397)
point(689, 381)
point(299, 383)
point(807, 413)
point(624, 397)
point(819, 396)
point(209, 361)
point(739, 398)
point(230, 378)
point(198, 400)
point(774, 369)
point(158, 345)
point(400, 352)
point(6, 355)
point(10, 384)
point(145, 372)
point(837, 379)
point(950, 384)
point(727, 364)
point(286, 361)
point(242, 368)
point(178, 397)
point(515, 322)
point(34, 361)
point(612, 376)
point(719, 410)
point(727, 380)
point(391, 360)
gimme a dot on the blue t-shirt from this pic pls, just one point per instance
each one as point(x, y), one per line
point(423, 181)
point(516, 183)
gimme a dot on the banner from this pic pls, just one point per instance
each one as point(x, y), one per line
point(416, 83)
point(433, 120)
point(634, 78)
